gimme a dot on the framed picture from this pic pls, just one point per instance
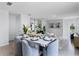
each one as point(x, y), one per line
point(55, 25)
point(51, 25)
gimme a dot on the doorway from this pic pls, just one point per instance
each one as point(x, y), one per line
point(14, 26)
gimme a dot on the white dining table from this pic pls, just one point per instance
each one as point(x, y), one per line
point(44, 44)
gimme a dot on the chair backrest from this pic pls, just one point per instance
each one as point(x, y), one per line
point(52, 49)
point(18, 46)
point(35, 48)
point(26, 49)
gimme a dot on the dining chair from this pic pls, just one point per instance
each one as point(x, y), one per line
point(34, 48)
point(52, 49)
point(18, 43)
point(26, 49)
point(29, 50)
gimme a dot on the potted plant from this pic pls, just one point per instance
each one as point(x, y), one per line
point(25, 30)
point(72, 27)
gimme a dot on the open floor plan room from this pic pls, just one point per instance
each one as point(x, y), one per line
point(39, 28)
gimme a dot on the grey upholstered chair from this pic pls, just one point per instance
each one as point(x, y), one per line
point(34, 48)
point(18, 42)
point(29, 50)
point(52, 49)
point(26, 49)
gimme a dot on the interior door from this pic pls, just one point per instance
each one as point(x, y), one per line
point(14, 26)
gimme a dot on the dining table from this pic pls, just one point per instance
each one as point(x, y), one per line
point(41, 42)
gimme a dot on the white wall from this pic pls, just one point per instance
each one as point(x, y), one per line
point(25, 19)
point(57, 31)
point(14, 26)
point(66, 26)
point(4, 25)
point(18, 24)
point(4, 28)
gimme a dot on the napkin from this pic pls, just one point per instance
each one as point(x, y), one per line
point(46, 38)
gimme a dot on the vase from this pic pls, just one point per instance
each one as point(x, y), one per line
point(25, 35)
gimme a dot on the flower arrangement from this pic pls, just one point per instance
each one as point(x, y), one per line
point(72, 27)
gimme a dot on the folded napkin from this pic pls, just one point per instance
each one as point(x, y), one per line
point(44, 45)
point(34, 45)
point(46, 38)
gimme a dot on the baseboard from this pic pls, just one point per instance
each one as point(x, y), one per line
point(4, 43)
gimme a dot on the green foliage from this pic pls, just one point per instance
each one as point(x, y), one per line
point(72, 27)
point(25, 29)
point(44, 29)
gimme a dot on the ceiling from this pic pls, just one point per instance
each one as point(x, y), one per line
point(43, 9)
